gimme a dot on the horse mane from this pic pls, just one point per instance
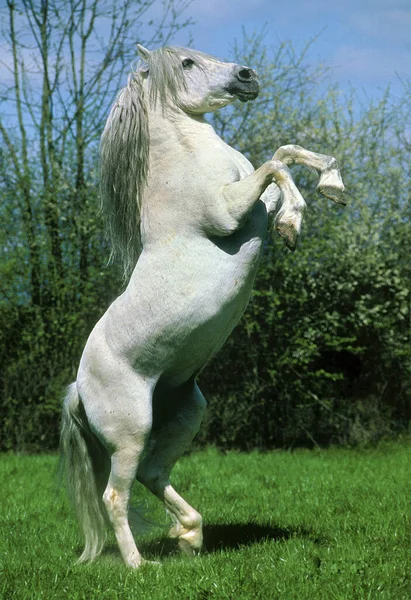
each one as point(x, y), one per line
point(124, 149)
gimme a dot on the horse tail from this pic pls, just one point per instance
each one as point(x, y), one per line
point(124, 152)
point(85, 463)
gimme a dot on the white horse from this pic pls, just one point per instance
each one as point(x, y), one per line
point(187, 215)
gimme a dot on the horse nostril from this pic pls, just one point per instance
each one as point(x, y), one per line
point(245, 74)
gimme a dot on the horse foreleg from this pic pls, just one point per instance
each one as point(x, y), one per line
point(241, 196)
point(330, 184)
point(170, 438)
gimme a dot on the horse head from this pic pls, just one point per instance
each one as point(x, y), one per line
point(193, 81)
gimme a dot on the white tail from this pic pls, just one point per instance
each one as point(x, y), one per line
point(85, 464)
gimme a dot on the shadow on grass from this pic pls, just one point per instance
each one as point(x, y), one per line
point(232, 536)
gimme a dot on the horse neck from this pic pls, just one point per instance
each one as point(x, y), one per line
point(174, 138)
point(176, 132)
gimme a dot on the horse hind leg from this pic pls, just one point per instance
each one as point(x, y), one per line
point(172, 434)
point(118, 406)
point(124, 462)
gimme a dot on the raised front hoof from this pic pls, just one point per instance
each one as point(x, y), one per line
point(336, 194)
point(289, 234)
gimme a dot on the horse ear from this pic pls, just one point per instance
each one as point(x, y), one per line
point(143, 52)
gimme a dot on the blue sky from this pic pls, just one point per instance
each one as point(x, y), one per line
point(366, 43)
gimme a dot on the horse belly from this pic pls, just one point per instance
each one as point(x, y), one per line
point(215, 310)
point(204, 341)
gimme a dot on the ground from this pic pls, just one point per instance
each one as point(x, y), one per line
point(332, 524)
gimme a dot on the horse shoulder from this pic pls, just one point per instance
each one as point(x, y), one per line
point(228, 157)
point(243, 164)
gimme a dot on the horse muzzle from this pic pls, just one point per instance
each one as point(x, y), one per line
point(245, 85)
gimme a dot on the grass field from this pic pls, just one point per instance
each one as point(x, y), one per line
point(332, 524)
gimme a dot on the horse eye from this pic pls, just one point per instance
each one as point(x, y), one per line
point(187, 63)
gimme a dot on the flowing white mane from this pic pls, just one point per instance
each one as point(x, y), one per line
point(125, 147)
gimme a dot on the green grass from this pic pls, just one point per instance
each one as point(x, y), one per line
point(332, 524)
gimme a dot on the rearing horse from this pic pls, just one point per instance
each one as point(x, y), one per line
point(187, 215)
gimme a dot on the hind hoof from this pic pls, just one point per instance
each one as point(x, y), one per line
point(190, 541)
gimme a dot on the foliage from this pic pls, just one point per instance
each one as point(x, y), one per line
point(321, 524)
